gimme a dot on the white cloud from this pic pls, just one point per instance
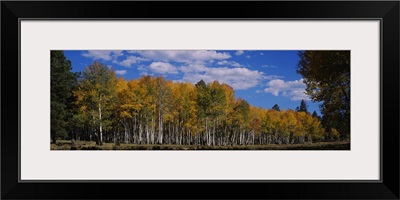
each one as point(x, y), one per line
point(163, 68)
point(146, 74)
point(193, 67)
point(248, 56)
point(238, 78)
point(295, 90)
point(261, 53)
point(240, 52)
point(102, 54)
point(224, 62)
point(130, 60)
point(133, 51)
point(120, 72)
point(235, 64)
point(185, 56)
point(229, 63)
point(268, 66)
point(142, 68)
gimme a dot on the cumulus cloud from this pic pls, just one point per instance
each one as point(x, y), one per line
point(185, 56)
point(120, 72)
point(163, 68)
point(238, 78)
point(229, 63)
point(130, 60)
point(190, 66)
point(193, 67)
point(295, 90)
point(240, 52)
point(102, 54)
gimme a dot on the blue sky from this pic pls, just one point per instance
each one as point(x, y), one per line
point(263, 78)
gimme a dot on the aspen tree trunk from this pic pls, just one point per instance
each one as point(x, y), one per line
point(182, 136)
point(169, 132)
point(152, 130)
point(126, 132)
point(140, 132)
point(225, 136)
point(176, 133)
point(161, 130)
point(190, 135)
point(240, 136)
point(213, 135)
point(147, 131)
point(253, 136)
point(233, 138)
point(159, 126)
point(207, 133)
point(101, 127)
point(135, 135)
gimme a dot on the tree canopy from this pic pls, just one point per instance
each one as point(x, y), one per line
point(327, 77)
point(152, 110)
point(96, 95)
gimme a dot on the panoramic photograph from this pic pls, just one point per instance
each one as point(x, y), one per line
point(200, 100)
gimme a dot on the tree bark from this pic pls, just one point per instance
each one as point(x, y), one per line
point(101, 127)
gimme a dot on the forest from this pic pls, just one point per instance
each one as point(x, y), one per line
point(95, 105)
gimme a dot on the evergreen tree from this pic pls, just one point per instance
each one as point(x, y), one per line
point(61, 85)
point(302, 107)
point(314, 114)
point(276, 107)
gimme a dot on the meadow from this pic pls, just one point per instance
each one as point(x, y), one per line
point(91, 145)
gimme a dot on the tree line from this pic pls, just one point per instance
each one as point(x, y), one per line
point(95, 105)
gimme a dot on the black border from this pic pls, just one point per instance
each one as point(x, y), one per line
point(387, 11)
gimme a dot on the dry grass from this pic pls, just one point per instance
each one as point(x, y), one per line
point(83, 145)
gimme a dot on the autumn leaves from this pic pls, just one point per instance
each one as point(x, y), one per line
point(152, 110)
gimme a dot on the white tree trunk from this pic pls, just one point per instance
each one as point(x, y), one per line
point(101, 126)
point(147, 132)
point(152, 129)
point(140, 132)
point(126, 132)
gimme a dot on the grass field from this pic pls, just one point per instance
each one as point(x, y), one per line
point(82, 145)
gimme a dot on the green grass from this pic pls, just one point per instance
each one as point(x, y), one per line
point(82, 145)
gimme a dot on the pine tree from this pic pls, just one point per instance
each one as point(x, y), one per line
point(314, 114)
point(276, 107)
point(62, 83)
point(302, 107)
